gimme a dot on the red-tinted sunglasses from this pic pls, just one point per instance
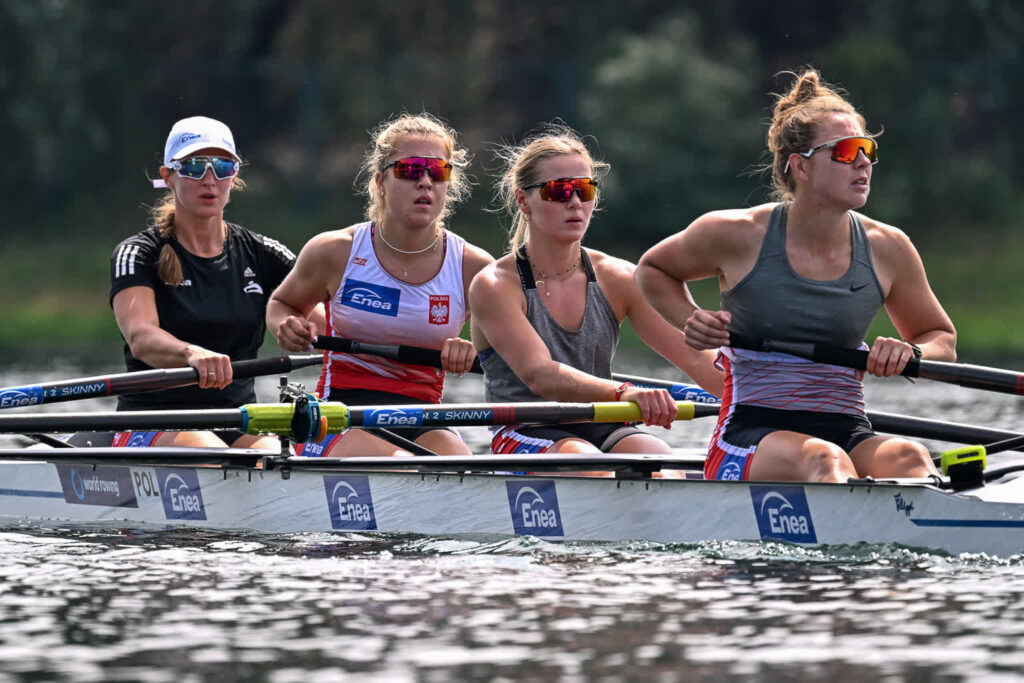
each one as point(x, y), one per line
point(845, 150)
point(562, 189)
point(412, 168)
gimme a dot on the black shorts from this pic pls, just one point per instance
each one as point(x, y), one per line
point(731, 449)
point(539, 438)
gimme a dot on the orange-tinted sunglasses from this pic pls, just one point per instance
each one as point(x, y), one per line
point(845, 150)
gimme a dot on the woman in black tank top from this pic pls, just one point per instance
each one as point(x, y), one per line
point(546, 316)
point(810, 270)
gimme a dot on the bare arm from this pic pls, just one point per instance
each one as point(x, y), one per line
point(136, 315)
point(458, 354)
point(911, 304)
point(665, 339)
point(712, 246)
point(294, 315)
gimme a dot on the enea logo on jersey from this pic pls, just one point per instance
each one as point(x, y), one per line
point(439, 304)
point(180, 493)
point(534, 508)
point(350, 503)
point(392, 417)
point(370, 297)
point(783, 513)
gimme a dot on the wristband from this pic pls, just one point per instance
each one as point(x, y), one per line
point(915, 348)
point(622, 389)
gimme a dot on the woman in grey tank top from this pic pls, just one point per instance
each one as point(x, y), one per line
point(546, 317)
point(808, 269)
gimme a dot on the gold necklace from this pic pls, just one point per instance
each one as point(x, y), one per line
point(557, 277)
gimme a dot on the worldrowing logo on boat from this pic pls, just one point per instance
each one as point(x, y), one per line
point(392, 417)
point(350, 503)
point(97, 485)
point(180, 493)
point(783, 513)
point(20, 396)
point(534, 508)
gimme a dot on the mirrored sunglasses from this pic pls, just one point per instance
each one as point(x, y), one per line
point(562, 189)
point(845, 150)
point(413, 168)
point(195, 167)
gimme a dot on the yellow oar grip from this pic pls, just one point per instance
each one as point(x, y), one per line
point(630, 412)
point(276, 418)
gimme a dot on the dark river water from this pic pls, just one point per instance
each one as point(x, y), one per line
point(100, 604)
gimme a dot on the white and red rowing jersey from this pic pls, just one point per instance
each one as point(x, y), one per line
point(375, 307)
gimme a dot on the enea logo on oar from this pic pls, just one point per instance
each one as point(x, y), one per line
point(21, 396)
point(181, 494)
point(392, 417)
point(534, 508)
point(350, 503)
point(783, 513)
point(99, 485)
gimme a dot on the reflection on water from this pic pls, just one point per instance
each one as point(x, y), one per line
point(90, 604)
point(99, 605)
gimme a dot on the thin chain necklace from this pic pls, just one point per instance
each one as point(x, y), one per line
point(557, 277)
point(380, 233)
point(405, 269)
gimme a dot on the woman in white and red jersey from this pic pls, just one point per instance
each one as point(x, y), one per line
point(398, 278)
point(808, 269)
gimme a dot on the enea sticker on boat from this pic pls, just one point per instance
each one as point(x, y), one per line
point(783, 513)
point(180, 493)
point(534, 508)
point(350, 503)
point(97, 485)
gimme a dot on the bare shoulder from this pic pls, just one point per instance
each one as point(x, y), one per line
point(474, 259)
point(734, 223)
point(495, 275)
point(610, 267)
point(888, 243)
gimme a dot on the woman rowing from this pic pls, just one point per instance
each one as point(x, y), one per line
point(192, 288)
point(811, 269)
point(398, 278)
point(546, 316)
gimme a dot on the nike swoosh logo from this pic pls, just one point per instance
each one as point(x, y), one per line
point(855, 288)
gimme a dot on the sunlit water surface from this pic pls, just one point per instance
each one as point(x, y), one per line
point(92, 604)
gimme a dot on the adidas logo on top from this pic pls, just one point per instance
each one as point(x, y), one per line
point(249, 273)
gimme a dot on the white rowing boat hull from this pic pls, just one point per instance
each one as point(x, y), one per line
point(549, 507)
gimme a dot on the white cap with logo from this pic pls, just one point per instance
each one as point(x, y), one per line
point(195, 133)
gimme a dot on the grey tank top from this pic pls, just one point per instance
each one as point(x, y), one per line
point(773, 301)
point(590, 348)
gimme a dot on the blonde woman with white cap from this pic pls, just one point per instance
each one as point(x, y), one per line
point(192, 289)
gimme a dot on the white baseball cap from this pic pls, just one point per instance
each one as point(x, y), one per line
point(195, 133)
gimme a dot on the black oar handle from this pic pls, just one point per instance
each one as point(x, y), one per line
point(962, 374)
point(145, 380)
point(414, 355)
point(819, 353)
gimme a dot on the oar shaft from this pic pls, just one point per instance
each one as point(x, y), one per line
point(280, 418)
point(146, 380)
